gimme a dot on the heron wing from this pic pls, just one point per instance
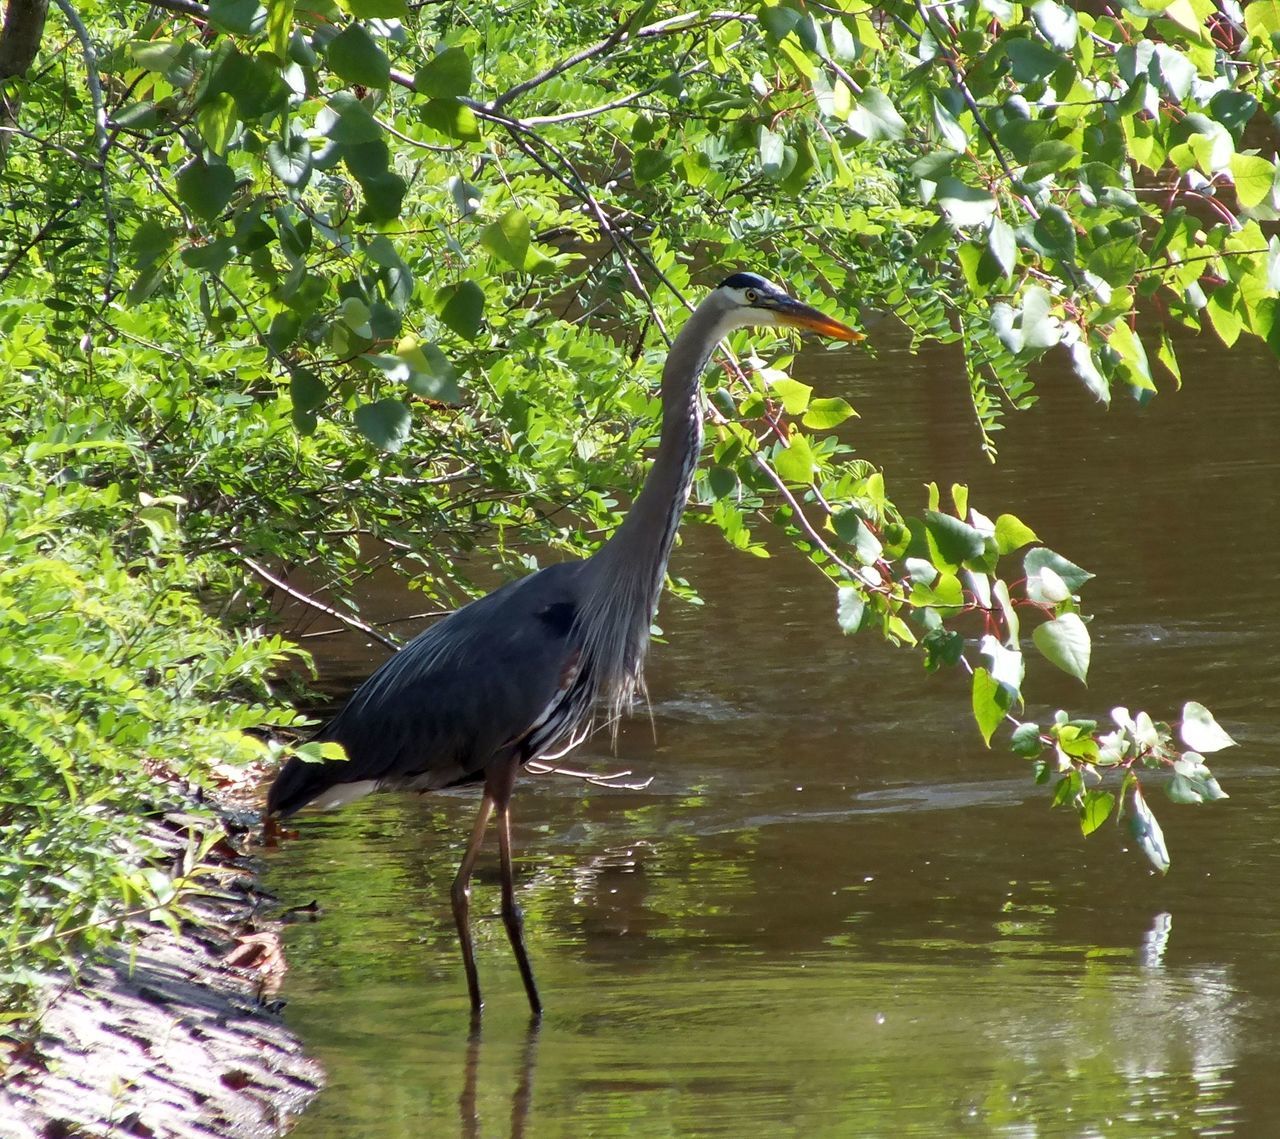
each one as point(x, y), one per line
point(466, 690)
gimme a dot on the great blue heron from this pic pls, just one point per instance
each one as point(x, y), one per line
point(521, 672)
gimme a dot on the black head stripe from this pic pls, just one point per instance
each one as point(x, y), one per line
point(744, 281)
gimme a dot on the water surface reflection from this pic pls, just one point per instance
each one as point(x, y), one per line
point(833, 912)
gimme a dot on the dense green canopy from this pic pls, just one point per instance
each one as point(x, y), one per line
point(310, 285)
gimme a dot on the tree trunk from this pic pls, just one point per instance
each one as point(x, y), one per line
point(19, 42)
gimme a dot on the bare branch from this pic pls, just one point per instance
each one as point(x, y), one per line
point(314, 603)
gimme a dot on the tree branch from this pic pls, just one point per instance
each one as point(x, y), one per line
point(313, 603)
point(19, 41)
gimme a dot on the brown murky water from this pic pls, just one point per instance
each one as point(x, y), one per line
point(833, 912)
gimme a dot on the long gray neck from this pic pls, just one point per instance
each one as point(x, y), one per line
point(625, 576)
point(648, 532)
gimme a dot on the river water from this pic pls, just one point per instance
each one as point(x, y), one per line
point(833, 912)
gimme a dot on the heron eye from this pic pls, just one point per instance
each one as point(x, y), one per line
point(752, 296)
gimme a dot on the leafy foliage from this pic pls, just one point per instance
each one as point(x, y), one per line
point(330, 286)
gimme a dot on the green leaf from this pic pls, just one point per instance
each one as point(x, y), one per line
point(950, 130)
point(1026, 741)
point(964, 205)
point(1166, 355)
point(1128, 344)
point(1064, 641)
point(952, 542)
point(241, 17)
point(218, 121)
point(347, 120)
point(1200, 731)
point(354, 313)
point(1175, 71)
point(875, 118)
point(1040, 329)
point(827, 412)
point(1057, 23)
point(1193, 782)
point(289, 159)
point(722, 481)
point(251, 81)
point(932, 166)
point(356, 58)
point(306, 390)
point(795, 463)
point(1012, 534)
point(279, 26)
point(1262, 18)
point(1084, 362)
point(1005, 664)
point(206, 189)
point(1003, 246)
point(1146, 831)
point(650, 164)
point(1253, 177)
point(386, 423)
point(773, 152)
point(1224, 314)
point(383, 196)
point(851, 609)
point(1054, 234)
point(792, 394)
point(508, 238)
point(451, 118)
point(1049, 157)
point(446, 76)
point(1233, 109)
point(1031, 61)
point(991, 700)
point(431, 374)
point(1117, 259)
point(376, 9)
point(151, 242)
point(1064, 571)
point(462, 308)
point(1095, 808)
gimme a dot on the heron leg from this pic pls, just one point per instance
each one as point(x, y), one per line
point(500, 786)
point(461, 896)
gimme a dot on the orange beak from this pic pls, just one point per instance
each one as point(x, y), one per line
point(797, 315)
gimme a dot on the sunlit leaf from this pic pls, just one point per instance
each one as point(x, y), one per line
point(1095, 809)
point(508, 237)
point(991, 701)
point(827, 412)
point(875, 118)
point(1200, 731)
point(1254, 177)
point(851, 609)
point(1064, 641)
point(964, 205)
point(1146, 831)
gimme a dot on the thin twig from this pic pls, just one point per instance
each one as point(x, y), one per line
point(100, 136)
point(314, 603)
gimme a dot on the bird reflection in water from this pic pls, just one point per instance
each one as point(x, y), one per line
point(521, 1095)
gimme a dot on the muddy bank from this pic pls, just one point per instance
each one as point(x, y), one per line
point(176, 1035)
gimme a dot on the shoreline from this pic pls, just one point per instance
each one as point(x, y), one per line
point(170, 1034)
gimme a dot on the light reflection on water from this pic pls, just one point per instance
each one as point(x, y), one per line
point(833, 912)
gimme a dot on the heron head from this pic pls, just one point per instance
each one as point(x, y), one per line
point(754, 301)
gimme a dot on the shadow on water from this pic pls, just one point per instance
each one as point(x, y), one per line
point(832, 912)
